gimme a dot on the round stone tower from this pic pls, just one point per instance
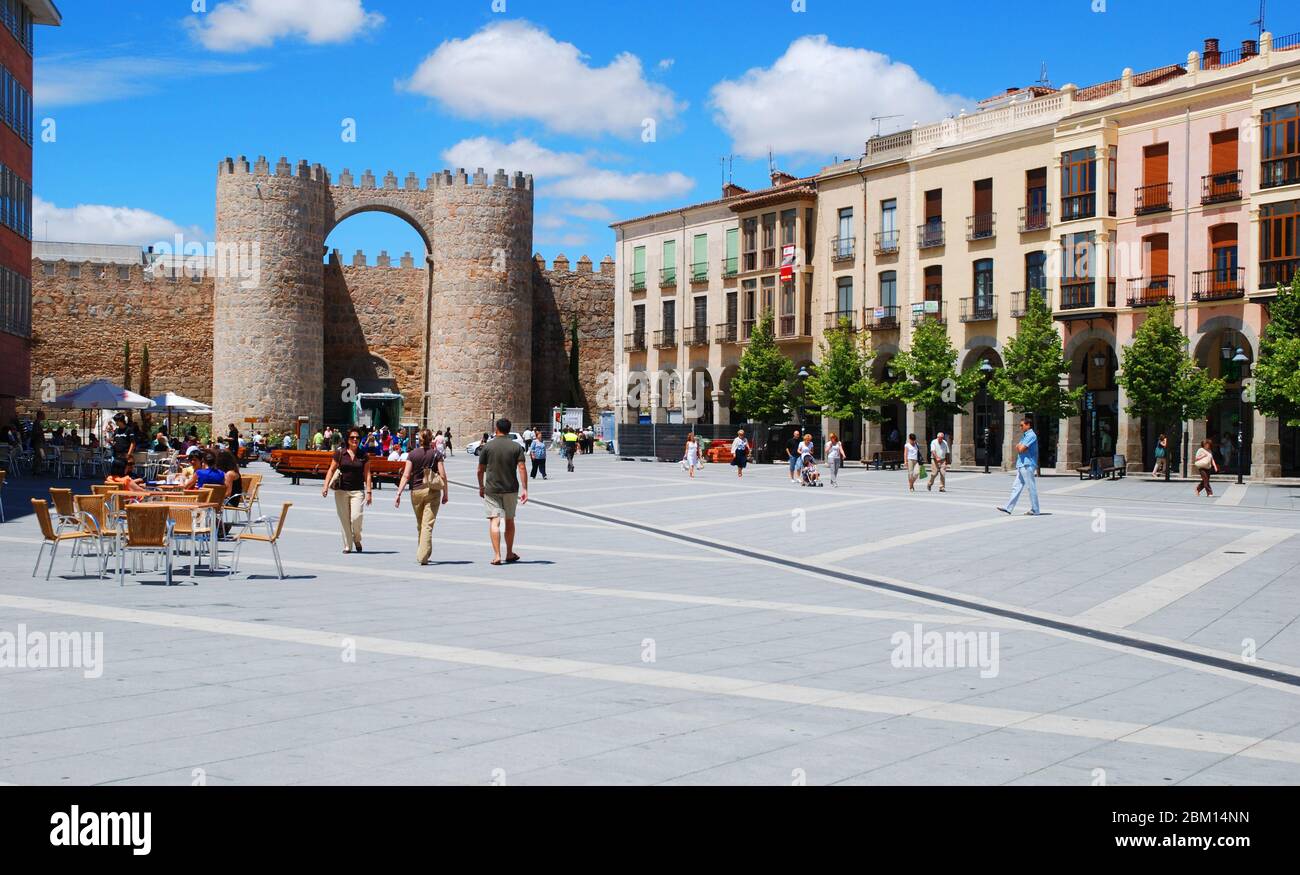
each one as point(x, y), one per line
point(269, 294)
point(480, 339)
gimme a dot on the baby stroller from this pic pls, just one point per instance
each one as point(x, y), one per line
point(808, 473)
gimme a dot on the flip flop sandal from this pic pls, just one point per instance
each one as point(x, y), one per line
point(512, 558)
point(497, 562)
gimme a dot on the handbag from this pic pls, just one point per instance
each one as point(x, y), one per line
point(1204, 460)
point(1160, 452)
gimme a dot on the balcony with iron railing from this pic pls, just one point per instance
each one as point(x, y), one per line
point(1148, 291)
point(700, 272)
point(981, 226)
point(1279, 171)
point(1020, 301)
point(730, 267)
point(1082, 294)
point(928, 309)
point(1277, 272)
point(886, 242)
point(930, 235)
point(1153, 198)
point(980, 308)
point(836, 319)
point(667, 277)
point(1078, 206)
point(880, 318)
point(634, 341)
point(726, 332)
point(697, 335)
point(1035, 218)
point(1220, 187)
point(842, 249)
point(637, 280)
point(665, 338)
point(1219, 284)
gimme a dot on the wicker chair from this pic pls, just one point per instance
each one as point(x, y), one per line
point(92, 516)
point(271, 537)
point(190, 524)
point(65, 508)
point(70, 462)
point(148, 530)
point(244, 507)
point(51, 538)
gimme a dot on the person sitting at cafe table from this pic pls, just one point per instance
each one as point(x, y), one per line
point(160, 442)
point(118, 476)
point(205, 474)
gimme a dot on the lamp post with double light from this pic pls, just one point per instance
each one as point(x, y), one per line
point(1241, 361)
point(986, 370)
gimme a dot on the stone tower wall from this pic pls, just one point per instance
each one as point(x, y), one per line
point(267, 342)
point(561, 295)
point(481, 325)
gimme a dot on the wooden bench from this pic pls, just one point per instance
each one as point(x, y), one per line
point(315, 463)
point(1109, 467)
point(720, 451)
point(892, 459)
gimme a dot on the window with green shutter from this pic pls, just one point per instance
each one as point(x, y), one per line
point(731, 264)
point(638, 269)
point(668, 273)
point(700, 258)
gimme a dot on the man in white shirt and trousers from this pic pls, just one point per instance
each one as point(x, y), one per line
point(938, 462)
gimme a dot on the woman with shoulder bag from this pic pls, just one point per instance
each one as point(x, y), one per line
point(1162, 458)
point(427, 471)
point(1205, 465)
point(349, 473)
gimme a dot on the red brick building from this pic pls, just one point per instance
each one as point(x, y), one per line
point(17, 25)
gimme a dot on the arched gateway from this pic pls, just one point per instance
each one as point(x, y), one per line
point(268, 309)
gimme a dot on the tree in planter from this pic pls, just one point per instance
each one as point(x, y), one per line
point(763, 388)
point(841, 386)
point(1034, 366)
point(1161, 381)
point(927, 373)
point(1276, 386)
point(145, 419)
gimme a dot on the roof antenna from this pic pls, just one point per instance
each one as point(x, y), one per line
point(1042, 76)
point(771, 162)
point(1259, 22)
point(878, 118)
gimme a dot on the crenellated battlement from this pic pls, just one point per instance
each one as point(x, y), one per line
point(383, 260)
point(480, 178)
point(518, 181)
point(583, 265)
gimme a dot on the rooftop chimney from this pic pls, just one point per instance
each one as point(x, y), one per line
point(1249, 48)
point(1210, 57)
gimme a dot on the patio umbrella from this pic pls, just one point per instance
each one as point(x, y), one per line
point(170, 401)
point(101, 395)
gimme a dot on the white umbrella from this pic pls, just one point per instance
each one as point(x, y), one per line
point(101, 395)
point(171, 401)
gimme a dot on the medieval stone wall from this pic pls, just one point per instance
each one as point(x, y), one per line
point(83, 313)
point(559, 296)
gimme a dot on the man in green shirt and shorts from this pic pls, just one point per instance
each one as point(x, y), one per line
point(503, 485)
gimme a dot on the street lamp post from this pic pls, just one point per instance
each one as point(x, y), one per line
point(801, 413)
point(986, 370)
point(1240, 360)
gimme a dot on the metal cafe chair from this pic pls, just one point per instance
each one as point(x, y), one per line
point(148, 530)
point(271, 537)
point(52, 539)
point(64, 507)
point(92, 513)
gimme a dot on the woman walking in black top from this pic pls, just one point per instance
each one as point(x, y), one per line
point(353, 469)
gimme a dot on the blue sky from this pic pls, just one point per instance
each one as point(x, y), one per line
point(146, 97)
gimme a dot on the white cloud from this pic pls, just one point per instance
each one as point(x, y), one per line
point(567, 174)
point(570, 239)
point(818, 99)
point(551, 221)
point(66, 80)
point(239, 25)
point(610, 185)
point(667, 64)
point(516, 70)
point(591, 212)
point(522, 155)
point(100, 223)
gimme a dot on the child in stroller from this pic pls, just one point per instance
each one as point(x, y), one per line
point(808, 473)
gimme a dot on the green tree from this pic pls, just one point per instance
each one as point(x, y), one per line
point(840, 386)
point(763, 388)
point(145, 418)
point(1161, 381)
point(927, 373)
point(1034, 366)
point(1276, 386)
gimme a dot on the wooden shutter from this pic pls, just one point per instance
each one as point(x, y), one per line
point(1159, 254)
point(1223, 151)
point(1155, 164)
point(934, 204)
point(983, 197)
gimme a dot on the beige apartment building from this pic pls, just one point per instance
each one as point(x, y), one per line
point(1179, 183)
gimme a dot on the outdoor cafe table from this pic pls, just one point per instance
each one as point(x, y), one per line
point(209, 508)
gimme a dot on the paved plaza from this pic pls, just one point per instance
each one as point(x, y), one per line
point(661, 630)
